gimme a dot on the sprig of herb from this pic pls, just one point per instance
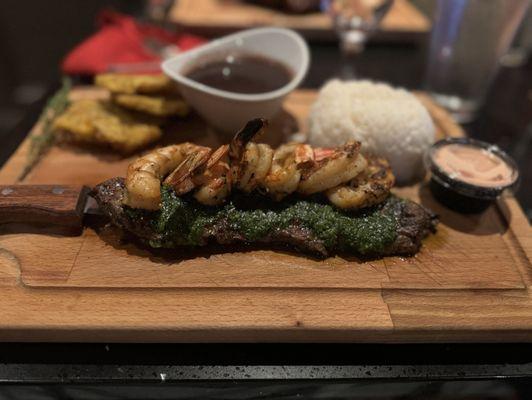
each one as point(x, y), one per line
point(41, 142)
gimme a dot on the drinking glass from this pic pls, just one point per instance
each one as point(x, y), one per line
point(521, 48)
point(468, 39)
point(354, 21)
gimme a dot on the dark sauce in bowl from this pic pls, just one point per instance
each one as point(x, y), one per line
point(242, 73)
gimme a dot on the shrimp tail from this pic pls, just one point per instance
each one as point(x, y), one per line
point(238, 145)
point(245, 135)
point(181, 179)
point(250, 130)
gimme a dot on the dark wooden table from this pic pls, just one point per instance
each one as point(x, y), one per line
point(505, 120)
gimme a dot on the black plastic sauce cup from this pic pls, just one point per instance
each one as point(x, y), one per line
point(457, 194)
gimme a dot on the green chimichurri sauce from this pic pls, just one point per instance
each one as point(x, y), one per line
point(182, 221)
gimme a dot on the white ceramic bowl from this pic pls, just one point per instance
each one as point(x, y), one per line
point(229, 111)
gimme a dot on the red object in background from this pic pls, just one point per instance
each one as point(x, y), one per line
point(122, 41)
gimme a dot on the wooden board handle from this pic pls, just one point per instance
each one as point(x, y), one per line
point(58, 205)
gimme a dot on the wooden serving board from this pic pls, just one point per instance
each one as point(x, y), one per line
point(216, 16)
point(469, 281)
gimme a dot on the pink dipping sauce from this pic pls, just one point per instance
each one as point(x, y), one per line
point(473, 165)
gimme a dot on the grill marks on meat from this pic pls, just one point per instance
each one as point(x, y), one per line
point(414, 223)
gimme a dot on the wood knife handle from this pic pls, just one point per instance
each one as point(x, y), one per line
point(58, 205)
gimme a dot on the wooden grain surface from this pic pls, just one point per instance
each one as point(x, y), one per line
point(206, 15)
point(470, 282)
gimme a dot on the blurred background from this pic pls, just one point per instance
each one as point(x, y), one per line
point(34, 37)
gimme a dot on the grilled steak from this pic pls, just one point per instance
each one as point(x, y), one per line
point(396, 227)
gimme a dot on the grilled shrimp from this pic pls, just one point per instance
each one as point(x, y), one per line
point(369, 188)
point(256, 164)
point(345, 176)
point(182, 179)
point(247, 166)
point(143, 181)
point(206, 172)
point(214, 183)
point(262, 168)
point(331, 167)
point(250, 162)
point(285, 175)
point(212, 175)
point(241, 150)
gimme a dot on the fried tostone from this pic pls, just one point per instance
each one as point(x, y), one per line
point(131, 84)
point(160, 106)
point(101, 123)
